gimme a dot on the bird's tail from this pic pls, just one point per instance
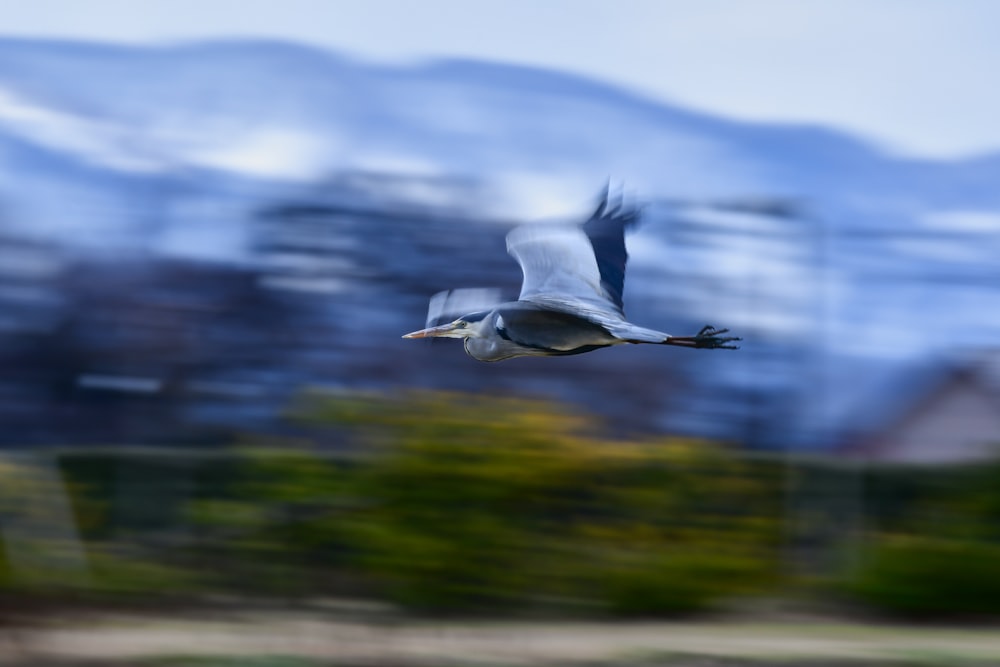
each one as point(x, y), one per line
point(632, 334)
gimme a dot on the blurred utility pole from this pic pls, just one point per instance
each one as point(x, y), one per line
point(38, 529)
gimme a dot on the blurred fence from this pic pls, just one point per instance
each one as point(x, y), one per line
point(455, 502)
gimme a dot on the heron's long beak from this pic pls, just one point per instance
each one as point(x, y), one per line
point(444, 330)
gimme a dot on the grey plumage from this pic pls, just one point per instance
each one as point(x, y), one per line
point(571, 295)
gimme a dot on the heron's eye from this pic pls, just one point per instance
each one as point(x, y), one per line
point(461, 324)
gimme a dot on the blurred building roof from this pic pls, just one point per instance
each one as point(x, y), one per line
point(946, 412)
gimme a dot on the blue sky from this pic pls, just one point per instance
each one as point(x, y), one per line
point(918, 77)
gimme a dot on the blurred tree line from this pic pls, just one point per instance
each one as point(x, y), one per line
point(452, 502)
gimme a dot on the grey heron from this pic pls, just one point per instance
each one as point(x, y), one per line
point(571, 295)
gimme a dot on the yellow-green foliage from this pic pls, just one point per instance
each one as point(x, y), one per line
point(474, 502)
point(436, 501)
point(458, 502)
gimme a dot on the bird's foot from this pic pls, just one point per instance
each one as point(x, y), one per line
point(711, 338)
point(708, 338)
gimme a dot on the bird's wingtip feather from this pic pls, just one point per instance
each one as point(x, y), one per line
point(611, 205)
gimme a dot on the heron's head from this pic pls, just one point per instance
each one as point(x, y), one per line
point(467, 326)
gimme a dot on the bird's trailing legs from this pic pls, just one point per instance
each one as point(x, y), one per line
point(708, 338)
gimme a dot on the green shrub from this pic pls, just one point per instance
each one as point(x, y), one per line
point(442, 502)
point(486, 503)
point(673, 582)
point(926, 576)
point(276, 527)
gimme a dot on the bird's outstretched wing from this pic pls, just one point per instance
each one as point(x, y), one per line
point(447, 305)
point(576, 268)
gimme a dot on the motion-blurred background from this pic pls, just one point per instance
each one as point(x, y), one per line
point(217, 219)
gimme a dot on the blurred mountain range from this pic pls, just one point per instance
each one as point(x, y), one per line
point(190, 233)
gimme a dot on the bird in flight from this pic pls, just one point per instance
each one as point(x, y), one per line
point(571, 296)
